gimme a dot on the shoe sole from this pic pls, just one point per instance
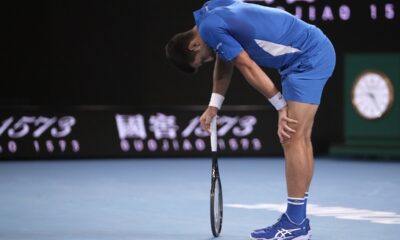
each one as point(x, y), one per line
point(304, 237)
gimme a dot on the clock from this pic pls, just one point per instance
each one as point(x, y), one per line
point(371, 106)
point(372, 94)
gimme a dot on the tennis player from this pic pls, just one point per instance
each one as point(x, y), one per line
point(247, 36)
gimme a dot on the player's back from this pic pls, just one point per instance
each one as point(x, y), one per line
point(252, 21)
point(272, 37)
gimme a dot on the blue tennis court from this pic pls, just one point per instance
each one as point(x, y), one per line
point(169, 199)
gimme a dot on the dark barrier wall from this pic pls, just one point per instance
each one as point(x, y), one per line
point(64, 53)
point(125, 132)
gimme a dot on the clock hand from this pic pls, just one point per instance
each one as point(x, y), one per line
point(371, 95)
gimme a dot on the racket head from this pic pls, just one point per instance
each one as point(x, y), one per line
point(216, 206)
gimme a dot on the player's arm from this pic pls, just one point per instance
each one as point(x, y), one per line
point(260, 81)
point(255, 75)
point(221, 80)
point(222, 76)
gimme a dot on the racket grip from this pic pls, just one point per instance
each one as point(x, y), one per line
point(213, 136)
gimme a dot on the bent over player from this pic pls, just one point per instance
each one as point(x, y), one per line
point(247, 36)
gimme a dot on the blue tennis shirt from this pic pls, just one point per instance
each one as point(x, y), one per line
point(272, 37)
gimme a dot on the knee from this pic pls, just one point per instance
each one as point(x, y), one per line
point(298, 139)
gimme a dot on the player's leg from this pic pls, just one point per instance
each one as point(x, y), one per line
point(298, 149)
point(299, 159)
point(299, 171)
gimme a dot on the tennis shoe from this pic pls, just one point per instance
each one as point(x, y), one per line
point(284, 229)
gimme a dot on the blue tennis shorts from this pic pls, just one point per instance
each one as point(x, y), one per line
point(305, 79)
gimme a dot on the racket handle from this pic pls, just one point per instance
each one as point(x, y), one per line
point(213, 136)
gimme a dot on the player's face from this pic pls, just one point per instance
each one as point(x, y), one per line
point(204, 55)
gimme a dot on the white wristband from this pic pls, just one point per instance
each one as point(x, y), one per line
point(216, 100)
point(278, 101)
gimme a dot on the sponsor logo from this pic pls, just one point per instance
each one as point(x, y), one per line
point(311, 10)
point(45, 134)
point(161, 132)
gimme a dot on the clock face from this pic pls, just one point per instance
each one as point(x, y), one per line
point(372, 95)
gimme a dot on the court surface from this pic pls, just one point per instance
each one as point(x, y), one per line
point(169, 199)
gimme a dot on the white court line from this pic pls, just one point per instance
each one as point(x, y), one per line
point(337, 212)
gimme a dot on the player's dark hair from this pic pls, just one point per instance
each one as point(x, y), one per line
point(177, 51)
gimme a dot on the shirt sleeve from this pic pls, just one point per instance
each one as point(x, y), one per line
point(215, 34)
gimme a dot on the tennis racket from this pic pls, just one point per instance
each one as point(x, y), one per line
point(216, 203)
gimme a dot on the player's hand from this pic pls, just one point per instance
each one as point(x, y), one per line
point(284, 131)
point(208, 115)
